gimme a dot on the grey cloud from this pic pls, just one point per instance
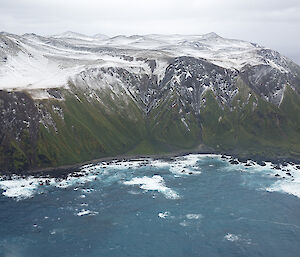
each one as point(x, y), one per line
point(272, 23)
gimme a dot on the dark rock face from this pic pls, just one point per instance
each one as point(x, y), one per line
point(269, 82)
point(55, 93)
point(18, 114)
point(266, 81)
point(186, 77)
point(19, 129)
point(143, 88)
point(190, 78)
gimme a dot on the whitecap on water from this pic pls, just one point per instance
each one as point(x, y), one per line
point(84, 212)
point(18, 189)
point(183, 165)
point(232, 237)
point(193, 216)
point(237, 238)
point(163, 215)
point(22, 188)
point(155, 183)
point(186, 165)
point(288, 180)
point(160, 163)
point(184, 223)
point(116, 165)
point(132, 192)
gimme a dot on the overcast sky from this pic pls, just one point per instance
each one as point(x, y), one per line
point(272, 23)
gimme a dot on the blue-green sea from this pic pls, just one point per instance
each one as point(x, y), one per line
point(194, 205)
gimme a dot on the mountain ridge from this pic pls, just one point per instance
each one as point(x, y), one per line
point(68, 99)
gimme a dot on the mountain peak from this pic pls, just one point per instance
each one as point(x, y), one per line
point(211, 35)
point(70, 34)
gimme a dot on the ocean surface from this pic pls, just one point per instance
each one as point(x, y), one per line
point(194, 205)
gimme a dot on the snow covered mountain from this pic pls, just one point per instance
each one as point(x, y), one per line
point(32, 62)
point(144, 79)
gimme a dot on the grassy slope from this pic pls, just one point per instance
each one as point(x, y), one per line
point(92, 129)
point(264, 130)
point(166, 126)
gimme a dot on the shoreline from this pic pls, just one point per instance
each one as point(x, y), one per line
point(65, 170)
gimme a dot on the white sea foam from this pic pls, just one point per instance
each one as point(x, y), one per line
point(184, 223)
point(288, 180)
point(84, 212)
point(160, 164)
point(186, 165)
point(155, 183)
point(289, 187)
point(193, 216)
point(132, 192)
point(232, 237)
point(237, 238)
point(163, 215)
point(183, 165)
point(19, 189)
point(23, 188)
point(115, 165)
